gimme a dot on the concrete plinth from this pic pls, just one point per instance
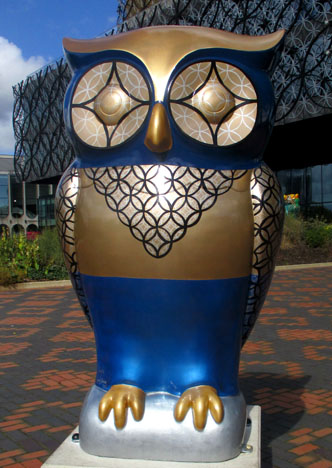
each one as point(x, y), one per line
point(70, 454)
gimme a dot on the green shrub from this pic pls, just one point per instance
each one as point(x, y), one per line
point(18, 253)
point(317, 233)
point(293, 230)
point(311, 233)
point(51, 259)
point(38, 259)
point(50, 252)
point(17, 256)
point(10, 276)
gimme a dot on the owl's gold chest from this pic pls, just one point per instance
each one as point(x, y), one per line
point(164, 222)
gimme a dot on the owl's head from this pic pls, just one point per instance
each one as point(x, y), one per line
point(183, 95)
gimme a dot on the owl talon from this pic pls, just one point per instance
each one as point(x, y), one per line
point(201, 399)
point(119, 398)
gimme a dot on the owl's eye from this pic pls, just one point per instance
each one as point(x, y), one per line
point(213, 102)
point(110, 104)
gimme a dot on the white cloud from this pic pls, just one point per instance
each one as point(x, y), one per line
point(13, 68)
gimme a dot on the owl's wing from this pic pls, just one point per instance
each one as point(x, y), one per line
point(268, 210)
point(65, 207)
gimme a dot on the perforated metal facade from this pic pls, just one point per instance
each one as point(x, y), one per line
point(302, 80)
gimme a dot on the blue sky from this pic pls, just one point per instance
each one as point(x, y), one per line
point(31, 33)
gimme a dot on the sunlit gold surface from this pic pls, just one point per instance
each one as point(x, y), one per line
point(158, 137)
point(65, 204)
point(110, 104)
point(145, 43)
point(201, 399)
point(212, 101)
point(120, 398)
point(218, 246)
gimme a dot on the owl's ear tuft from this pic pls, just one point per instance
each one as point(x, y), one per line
point(71, 57)
point(75, 58)
point(272, 54)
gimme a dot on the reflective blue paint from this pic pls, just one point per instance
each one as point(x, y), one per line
point(167, 335)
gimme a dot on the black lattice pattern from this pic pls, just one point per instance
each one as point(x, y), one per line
point(65, 210)
point(268, 210)
point(65, 207)
point(160, 203)
point(42, 147)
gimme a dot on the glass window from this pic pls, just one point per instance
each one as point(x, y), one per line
point(284, 180)
point(44, 190)
point(46, 211)
point(31, 200)
point(293, 181)
point(297, 181)
point(313, 184)
point(16, 197)
point(54, 187)
point(316, 184)
point(327, 183)
point(4, 206)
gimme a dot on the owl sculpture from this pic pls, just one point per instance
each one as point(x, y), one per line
point(170, 223)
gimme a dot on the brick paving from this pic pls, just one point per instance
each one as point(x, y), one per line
point(48, 363)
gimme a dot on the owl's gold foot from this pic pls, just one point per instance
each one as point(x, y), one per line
point(200, 399)
point(119, 398)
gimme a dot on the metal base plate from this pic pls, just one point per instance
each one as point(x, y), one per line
point(158, 436)
point(71, 455)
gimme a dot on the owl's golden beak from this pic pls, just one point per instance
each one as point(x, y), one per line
point(158, 137)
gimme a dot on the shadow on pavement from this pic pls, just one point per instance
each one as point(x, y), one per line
point(279, 396)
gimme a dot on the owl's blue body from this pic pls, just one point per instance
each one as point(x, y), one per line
point(167, 335)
